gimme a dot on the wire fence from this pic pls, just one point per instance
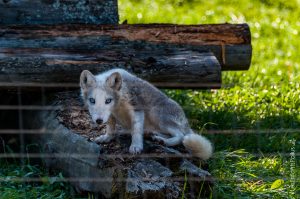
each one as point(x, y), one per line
point(19, 142)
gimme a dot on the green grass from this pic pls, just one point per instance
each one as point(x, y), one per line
point(13, 186)
point(263, 98)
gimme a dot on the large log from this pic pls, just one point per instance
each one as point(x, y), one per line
point(166, 55)
point(230, 43)
point(177, 69)
point(58, 11)
point(109, 169)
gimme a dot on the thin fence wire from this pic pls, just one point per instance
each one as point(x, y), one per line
point(27, 179)
point(125, 155)
point(41, 85)
point(30, 107)
point(205, 132)
point(174, 179)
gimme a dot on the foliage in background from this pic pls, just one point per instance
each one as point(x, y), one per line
point(265, 97)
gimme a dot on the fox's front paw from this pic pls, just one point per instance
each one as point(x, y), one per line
point(103, 138)
point(135, 149)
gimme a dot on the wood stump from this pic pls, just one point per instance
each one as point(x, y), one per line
point(67, 135)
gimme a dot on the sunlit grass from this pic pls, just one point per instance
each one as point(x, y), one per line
point(269, 91)
point(245, 175)
point(265, 97)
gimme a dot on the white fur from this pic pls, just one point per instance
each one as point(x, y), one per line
point(99, 110)
point(198, 145)
point(139, 106)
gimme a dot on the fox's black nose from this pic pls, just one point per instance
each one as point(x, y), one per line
point(99, 121)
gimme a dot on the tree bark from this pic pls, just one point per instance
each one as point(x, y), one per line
point(231, 44)
point(176, 69)
point(169, 56)
point(58, 12)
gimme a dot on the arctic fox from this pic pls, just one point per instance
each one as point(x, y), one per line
point(118, 96)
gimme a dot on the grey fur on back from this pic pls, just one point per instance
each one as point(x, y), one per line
point(139, 107)
point(144, 96)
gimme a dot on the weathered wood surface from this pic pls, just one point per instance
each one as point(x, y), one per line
point(230, 43)
point(108, 169)
point(167, 55)
point(166, 69)
point(58, 11)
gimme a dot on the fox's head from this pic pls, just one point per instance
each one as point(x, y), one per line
point(100, 95)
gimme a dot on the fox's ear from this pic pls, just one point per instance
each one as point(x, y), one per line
point(114, 81)
point(87, 79)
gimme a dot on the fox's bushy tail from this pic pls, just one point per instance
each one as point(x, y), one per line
point(198, 145)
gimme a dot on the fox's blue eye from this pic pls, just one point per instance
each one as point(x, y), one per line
point(92, 100)
point(107, 101)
